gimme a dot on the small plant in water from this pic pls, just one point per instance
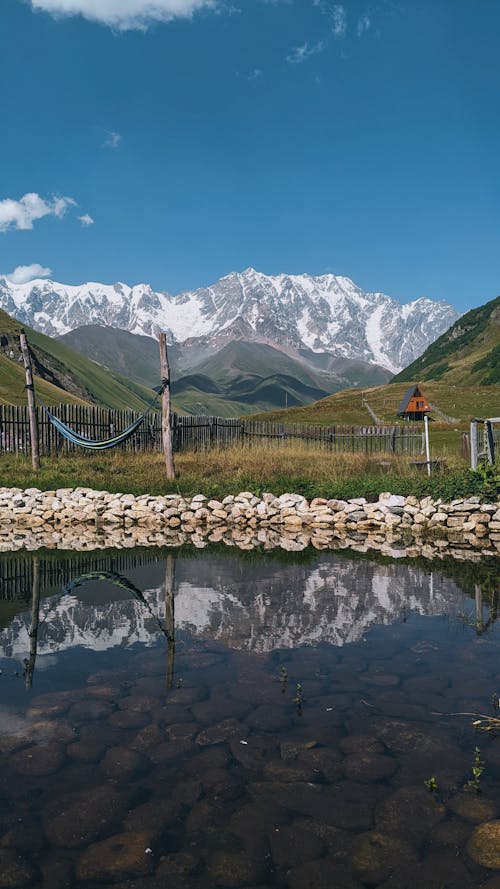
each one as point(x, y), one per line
point(283, 679)
point(299, 697)
point(431, 784)
point(477, 771)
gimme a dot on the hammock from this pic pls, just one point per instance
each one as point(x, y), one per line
point(119, 581)
point(93, 444)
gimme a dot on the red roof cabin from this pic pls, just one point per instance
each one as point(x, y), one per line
point(414, 405)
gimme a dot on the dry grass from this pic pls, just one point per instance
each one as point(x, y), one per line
point(263, 466)
point(293, 466)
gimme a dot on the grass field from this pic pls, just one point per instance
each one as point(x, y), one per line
point(13, 381)
point(454, 401)
point(278, 468)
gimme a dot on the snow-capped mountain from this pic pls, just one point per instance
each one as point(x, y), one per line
point(330, 601)
point(322, 314)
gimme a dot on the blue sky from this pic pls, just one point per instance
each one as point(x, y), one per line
point(304, 136)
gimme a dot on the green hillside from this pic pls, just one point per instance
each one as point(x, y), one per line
point(469, 352)
point(62, 374)
point(457, 402)
point(244, 377)
point(12, 383)
point(239, 378)
point(129, 354)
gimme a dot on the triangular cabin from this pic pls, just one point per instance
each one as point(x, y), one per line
point(414, 405)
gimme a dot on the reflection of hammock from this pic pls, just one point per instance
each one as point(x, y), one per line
point(117, 580)
point(92, 444)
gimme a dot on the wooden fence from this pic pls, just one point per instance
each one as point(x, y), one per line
point(197, 433)
point(16, 569)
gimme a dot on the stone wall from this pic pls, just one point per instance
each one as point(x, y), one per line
point(80, 518)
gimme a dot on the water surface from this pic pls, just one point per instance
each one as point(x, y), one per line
point(212, 718)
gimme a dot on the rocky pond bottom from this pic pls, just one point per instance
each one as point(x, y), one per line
point(212, 718)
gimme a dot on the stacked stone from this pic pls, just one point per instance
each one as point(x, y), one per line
point(69, 506)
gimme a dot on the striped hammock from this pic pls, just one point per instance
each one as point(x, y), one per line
point(92, 444)
point(119, 581)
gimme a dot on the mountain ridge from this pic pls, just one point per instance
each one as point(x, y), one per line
point(324, 313)
point(241, 377)
point(61, 373)
point(469, 351)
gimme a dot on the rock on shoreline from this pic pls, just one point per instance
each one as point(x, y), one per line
point(58, 512)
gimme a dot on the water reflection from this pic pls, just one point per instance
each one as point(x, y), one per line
point(252, 721)
point(259, 606)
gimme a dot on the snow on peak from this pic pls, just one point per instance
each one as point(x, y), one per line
point(325, 313)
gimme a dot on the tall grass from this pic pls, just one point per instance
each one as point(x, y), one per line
point(292, 466)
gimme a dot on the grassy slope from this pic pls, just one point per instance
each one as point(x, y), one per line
point(242, 377)
point(460, 375)
point(462, 402)
point(105, 387)
point(240, 360)
point(79, 378)
point(12, 382)
point(132, 355)
point(469, 352)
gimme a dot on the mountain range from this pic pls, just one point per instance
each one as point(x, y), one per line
point(469, 352)
point(61, 373)
point(295, 313)
point(329, 600)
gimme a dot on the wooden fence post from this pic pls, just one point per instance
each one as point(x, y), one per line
point(170, 617)
point(473, 444)
point(165, 408)
point(33, 630)
point(427, 448)
point(489, 441)
point(30, 389)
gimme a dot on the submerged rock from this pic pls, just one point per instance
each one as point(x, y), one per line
point(41, 759)
point(473, 807)
point(410, 812)
point(324, 873)
point(117, 858)
point(15, 871)
point(375, 856)
point(484, 845)
point(81, 818)
point(234, 869)
point(291, 846)
point(368, 767)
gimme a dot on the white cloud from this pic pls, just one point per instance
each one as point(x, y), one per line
point(125, 14)
point(339, 20)
point(113, 139)
point(337, 14)
point(364, 24)
point(301, 53)
point(24, 273)
point(256, 74)
point(23, 213)
point(86, 220)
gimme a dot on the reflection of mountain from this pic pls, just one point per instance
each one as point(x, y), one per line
point(257, 606)
point(329, 601)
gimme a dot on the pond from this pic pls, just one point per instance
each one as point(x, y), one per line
point(213, 718)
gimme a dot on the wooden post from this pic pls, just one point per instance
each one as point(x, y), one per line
point(165, 408)
point(479, 607)
point(427, 449)
point(30, 389)
point(489, 441)
point(170, 617)
point(473, 445)
point(33, 630)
